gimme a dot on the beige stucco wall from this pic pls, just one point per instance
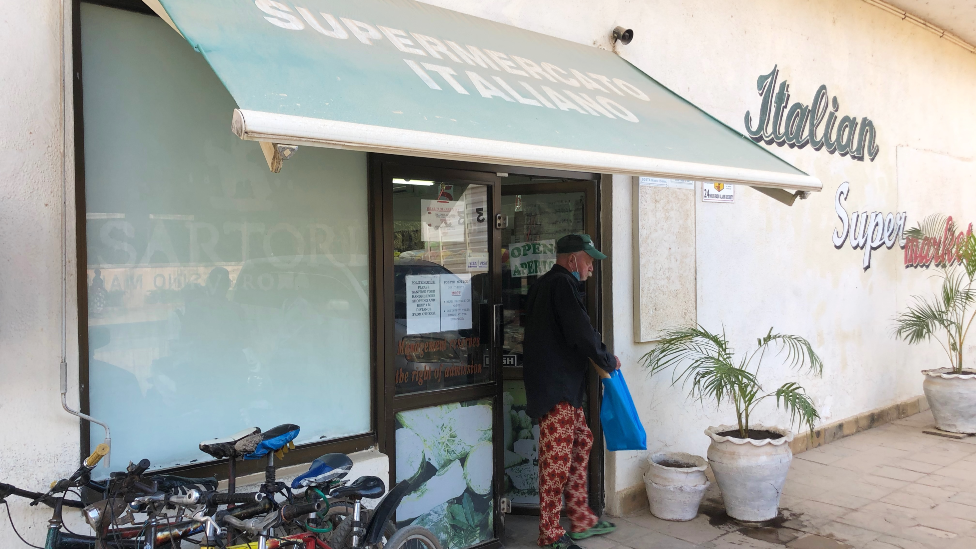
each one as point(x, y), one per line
point(37, 438)
point(775, 266)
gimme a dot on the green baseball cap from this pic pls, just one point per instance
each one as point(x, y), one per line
point(578, 243)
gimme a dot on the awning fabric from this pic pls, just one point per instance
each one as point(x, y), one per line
point(402, 77)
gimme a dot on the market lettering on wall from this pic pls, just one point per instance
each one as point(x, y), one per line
point(944, 250)
point(799, 125)
point(867, 231)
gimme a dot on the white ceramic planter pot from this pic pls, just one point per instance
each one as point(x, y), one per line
point(952, 398)
point(751, 473)
point(674, 491)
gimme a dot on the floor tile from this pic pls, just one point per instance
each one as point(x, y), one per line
point(864, 490)
point(901, 543)
point(852, 535)
point(947, 523)
point(917, 466)
point(956, 509)
point(827, 454)
point(813, 541)
point(880, 545)
point(886, 542)
point(938, 456)
point(909, 500)
point(878, 522)
point(694, 531)
point(815, 513)
point(897, 473)
point(841, 499)
point(736, 540)
point(965, 498)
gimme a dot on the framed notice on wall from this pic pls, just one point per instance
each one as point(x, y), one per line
point(665, 291)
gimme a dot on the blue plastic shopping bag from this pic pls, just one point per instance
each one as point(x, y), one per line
point(621, 426)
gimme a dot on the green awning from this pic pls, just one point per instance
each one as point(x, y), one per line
point(401, 77)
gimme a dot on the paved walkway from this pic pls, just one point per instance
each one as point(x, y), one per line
point(891, 487)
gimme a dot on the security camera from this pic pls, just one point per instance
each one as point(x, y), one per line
point(623, 35)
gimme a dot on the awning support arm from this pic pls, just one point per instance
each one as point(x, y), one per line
point(276, 153)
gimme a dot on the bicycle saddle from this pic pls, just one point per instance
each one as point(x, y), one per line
point(361, 488)
point(324, 470)
point(273, 440)
point(236, 445)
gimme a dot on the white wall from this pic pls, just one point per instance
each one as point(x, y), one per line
point(38, 441)
point(760, 263)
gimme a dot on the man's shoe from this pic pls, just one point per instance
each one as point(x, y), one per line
point(562, 543)
point(598, 529)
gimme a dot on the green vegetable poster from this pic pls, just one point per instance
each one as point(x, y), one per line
point(446, 452)
point(521, 448)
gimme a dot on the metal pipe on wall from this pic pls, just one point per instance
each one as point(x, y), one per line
point(64, 249)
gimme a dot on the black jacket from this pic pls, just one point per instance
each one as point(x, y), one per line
point(559, 343)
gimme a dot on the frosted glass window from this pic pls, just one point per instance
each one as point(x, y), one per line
point(220, 295)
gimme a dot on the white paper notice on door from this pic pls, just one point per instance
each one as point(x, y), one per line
point(423, 304)
point(455, 302)
point(442, 221)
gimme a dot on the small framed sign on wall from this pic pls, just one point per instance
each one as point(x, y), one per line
point(723, 193)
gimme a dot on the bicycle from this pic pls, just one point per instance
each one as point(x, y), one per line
point(373, 536)
point(126, 492)
point(337, 506)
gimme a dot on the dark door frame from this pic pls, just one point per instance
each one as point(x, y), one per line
point(381, 224)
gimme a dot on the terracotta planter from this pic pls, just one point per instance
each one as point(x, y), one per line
point(674, 493)
point(751, 473)
point(952, 398)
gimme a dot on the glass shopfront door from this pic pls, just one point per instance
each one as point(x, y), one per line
point(443, 349)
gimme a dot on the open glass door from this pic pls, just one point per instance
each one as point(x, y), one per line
point(540, 211)
point(442, 350)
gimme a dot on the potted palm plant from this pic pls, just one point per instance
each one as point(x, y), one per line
point(750, 460)
point(945, 317)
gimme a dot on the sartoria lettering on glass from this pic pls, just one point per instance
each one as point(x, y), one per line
point(799, 125)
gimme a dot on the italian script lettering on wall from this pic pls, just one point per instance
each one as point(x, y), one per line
point(797, 125)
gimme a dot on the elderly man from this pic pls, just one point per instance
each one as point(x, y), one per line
point(559, 344)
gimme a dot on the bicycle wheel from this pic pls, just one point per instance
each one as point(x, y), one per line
point(413, 537)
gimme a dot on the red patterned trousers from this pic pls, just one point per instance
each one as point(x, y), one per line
point(564, 452)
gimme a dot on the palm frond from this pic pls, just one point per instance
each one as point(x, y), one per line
point(932, 227)
point(793, 398)
point(799, 352)
point(924, 318)
point(703, 362)
point(919, 322)
point(701, 359)
point(967, 255)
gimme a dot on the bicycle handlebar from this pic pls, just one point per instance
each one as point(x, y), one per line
point(217, 498)
point(286, 514)
point(291, 512)
point(100, 451)
point(50, 501)
point(192, 497)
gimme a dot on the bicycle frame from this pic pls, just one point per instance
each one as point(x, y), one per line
point(310, 540)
